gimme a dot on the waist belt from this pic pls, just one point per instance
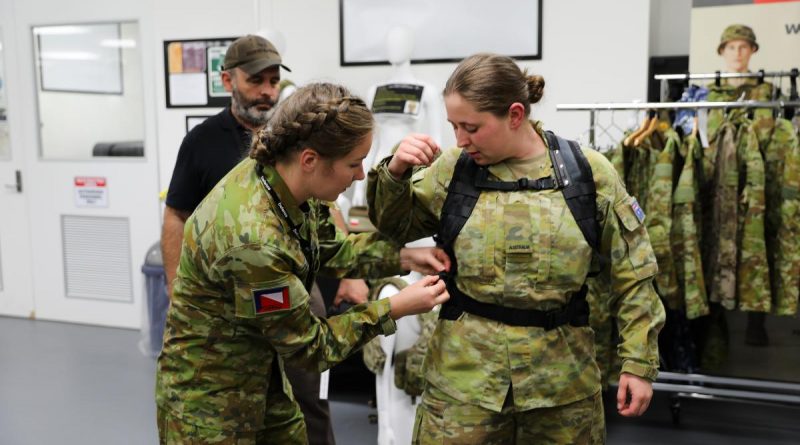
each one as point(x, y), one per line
point(576, 312)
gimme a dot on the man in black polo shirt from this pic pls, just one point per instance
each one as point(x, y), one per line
point(251, 72)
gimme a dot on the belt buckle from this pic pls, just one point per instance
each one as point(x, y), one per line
point(550, 320)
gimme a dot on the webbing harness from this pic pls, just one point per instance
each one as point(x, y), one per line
point(572, 174)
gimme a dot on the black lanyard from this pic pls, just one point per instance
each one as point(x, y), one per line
point(305, 245)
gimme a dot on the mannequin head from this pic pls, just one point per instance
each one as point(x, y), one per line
point(399, 44)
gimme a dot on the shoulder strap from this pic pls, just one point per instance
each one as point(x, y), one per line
point(579, 188)
point(462, 195)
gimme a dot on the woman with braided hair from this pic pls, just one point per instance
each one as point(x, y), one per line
point(249, 256)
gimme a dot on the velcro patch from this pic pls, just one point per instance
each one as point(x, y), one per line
point(271, 300)
point(637, 210)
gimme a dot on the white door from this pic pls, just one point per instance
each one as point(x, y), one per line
point(16, 294)
point(87, 71)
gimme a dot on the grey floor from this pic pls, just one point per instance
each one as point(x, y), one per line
point(73, 384)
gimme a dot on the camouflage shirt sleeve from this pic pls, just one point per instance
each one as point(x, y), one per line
point(270, 296)
point(408, 209)
point(638, 310)
point(362, 255)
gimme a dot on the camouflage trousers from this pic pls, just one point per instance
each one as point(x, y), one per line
point(443, 420)
point(285, 426)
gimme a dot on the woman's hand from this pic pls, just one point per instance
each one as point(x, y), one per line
point(634, 395)
point(415, 149)
point(425, 260)
point(419, 297)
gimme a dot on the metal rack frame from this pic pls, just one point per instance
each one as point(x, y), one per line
point(612, 106)
point(701, 386)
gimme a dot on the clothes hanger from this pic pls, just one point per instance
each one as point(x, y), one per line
point(651, 127)
point(628, 142)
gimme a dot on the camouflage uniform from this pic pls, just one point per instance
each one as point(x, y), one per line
point(240, 307)
point(751, 89)
point(788, 257)
point(659, 212)
point(719, 231)
point(782, 231)
point(686, 222)
point(752, 280)
point(476, 367)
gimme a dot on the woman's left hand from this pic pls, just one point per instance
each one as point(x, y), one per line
point(634, 395)
point(425, 260)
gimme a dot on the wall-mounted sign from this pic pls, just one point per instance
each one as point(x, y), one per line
point(193, 77)
point(91, 191)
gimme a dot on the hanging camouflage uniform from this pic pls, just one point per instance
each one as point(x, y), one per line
point(750, 89)
point(752, 280)
point(778, 158)
point(787, 243)
point(720, 227)
point(659, 215)
point(686, 223)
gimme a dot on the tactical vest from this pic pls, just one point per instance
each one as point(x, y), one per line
point(572, 174)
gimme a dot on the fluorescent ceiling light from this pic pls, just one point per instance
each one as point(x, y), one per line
point(69, 55)
point(60, 30)
point(118, 43)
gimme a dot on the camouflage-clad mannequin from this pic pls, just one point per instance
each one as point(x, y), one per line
point(250, 253)
point(489, 382)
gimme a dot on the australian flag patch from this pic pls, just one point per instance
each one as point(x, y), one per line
point(271, 300)
point(637, 210)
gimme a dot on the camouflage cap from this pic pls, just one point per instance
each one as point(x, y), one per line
point(252, 54)
point(737, 32)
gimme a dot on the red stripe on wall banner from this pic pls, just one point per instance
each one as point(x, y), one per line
point(774, 1)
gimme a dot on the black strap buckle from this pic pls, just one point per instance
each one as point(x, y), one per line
point(523, 183)
point(552, 320)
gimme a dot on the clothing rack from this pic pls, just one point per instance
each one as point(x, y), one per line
point(721, 75)
point(611, 106)
point(703, 386)
point(717, 76)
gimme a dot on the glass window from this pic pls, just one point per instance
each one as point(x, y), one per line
point(89, 90)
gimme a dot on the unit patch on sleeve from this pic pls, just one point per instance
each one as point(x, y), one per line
point(637, 210)
point(271, 300)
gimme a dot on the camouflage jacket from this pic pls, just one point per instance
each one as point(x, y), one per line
point(240, 303)
point(781, 226)
point(659, 215)
point(720, 218)
point(524, 250)
point(787, 258)
point(752, 272)
point(749, 90)
point(686, 222)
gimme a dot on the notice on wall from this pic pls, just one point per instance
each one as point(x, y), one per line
point(91, 191)
point(193, 72)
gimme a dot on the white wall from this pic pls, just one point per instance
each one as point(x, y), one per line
point(670, 27)
point(111, 117)
point(598, 55)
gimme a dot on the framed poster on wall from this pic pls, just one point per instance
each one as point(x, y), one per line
point(444, 30)
point(193, 121)
point(192, 72)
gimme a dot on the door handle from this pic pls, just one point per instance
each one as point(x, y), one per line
point(18, 186)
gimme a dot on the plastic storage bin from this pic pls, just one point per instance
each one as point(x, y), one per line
point(156, 303)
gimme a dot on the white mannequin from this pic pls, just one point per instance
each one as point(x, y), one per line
point(396, 409)
point(393, 127)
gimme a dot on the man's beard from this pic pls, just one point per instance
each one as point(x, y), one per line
point(246, 109)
